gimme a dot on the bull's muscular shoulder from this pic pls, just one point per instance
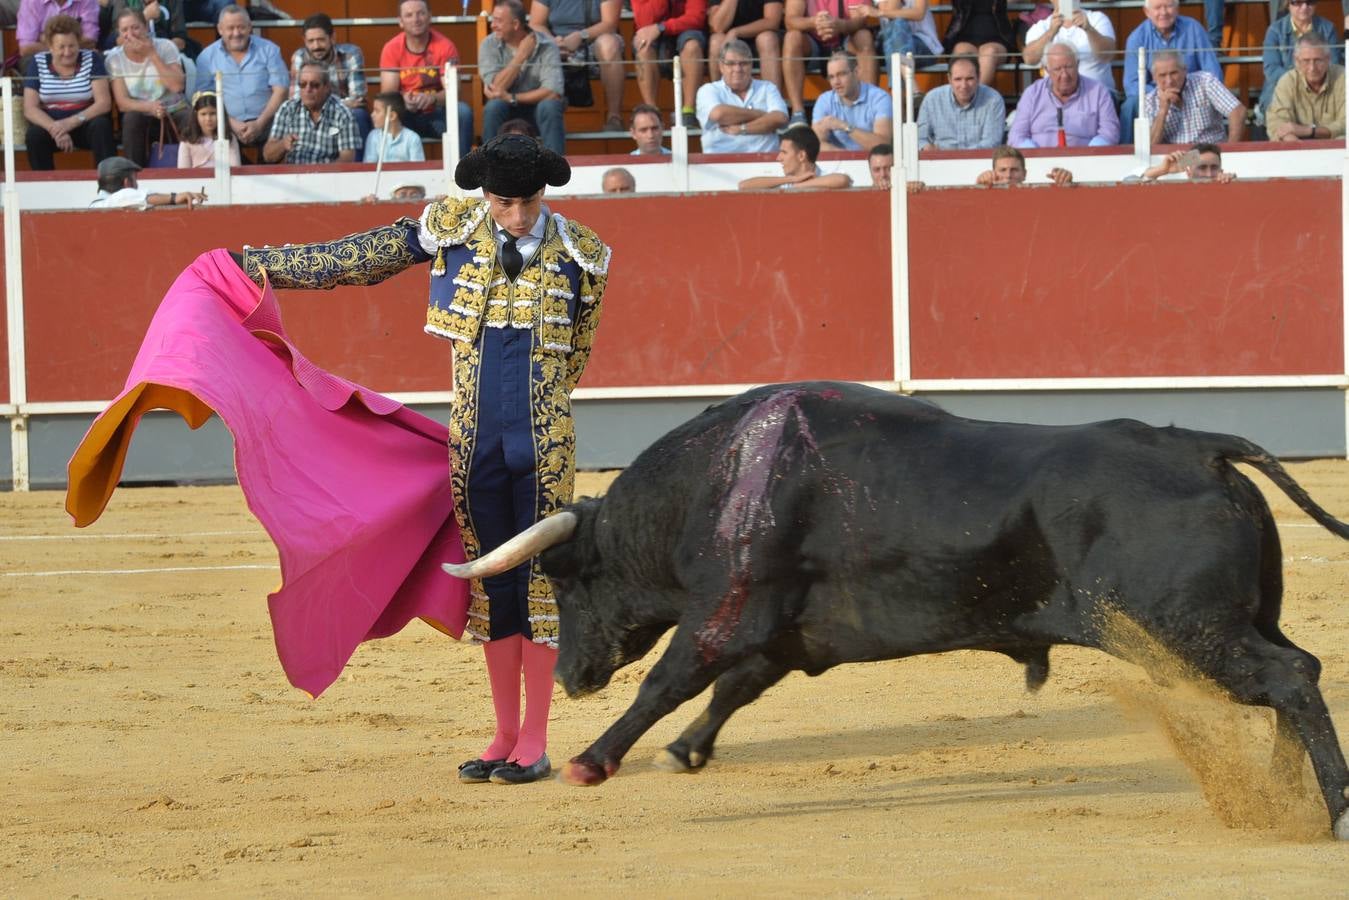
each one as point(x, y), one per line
point(451, 221)
point(583, 245)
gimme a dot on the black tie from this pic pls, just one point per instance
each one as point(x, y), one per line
point(511, 260)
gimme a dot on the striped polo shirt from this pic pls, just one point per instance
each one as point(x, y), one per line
point(59, 96)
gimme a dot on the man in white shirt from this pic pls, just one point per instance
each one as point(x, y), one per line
point(739, 113)
point(1089, 32)
point(117, 189)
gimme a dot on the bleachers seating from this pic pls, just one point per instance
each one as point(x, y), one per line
point(370, 23)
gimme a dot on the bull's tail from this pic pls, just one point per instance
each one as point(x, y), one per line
point(1237, 449)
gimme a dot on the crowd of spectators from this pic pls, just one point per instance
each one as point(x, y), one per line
point(744, 65)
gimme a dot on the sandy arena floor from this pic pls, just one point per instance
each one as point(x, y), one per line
point(152, 747)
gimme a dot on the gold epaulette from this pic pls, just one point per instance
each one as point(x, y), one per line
point(448, 222)
point(584, 246)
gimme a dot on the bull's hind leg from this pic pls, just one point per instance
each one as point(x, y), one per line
point(1260, 673)
point(739, 686)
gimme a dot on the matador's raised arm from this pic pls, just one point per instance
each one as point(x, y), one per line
point(367, 257)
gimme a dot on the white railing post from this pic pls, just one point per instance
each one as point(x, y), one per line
point(223, 186)
point(900, 174)
point(1142, 125)
point(14, 319)
point(679, 135)
point(450, 139)
point(1344, 255)
point(909, 128)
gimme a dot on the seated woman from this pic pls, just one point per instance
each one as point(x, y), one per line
point(147, 82)
point(981, 28)
point(66, 98)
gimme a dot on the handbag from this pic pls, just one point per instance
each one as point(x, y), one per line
point(576, 80)
point(164, 155)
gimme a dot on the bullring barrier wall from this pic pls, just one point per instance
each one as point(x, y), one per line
point(1131, 294)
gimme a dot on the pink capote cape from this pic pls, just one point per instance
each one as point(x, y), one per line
point(352, 487)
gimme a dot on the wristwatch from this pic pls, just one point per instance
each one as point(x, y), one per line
point(744, 128)
point(585, 35)
point(512, 96)
point(660, 27)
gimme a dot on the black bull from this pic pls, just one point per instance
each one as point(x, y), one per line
point(806, 525)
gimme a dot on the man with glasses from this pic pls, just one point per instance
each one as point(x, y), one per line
point(317, 128)
point(1063, 109)
point(1308, 102)
point(852, 115)
point(739, 113)
point(1283, 34)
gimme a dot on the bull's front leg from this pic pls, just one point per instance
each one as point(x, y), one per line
point(681, 674)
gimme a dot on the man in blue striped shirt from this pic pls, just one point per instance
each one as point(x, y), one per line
point(964, 114)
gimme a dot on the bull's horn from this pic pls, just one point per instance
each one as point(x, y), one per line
point(529, 543)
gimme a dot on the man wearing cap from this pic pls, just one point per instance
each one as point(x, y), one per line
point(516, 289)
point(117, 189)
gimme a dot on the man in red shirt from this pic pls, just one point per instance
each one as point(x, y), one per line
point(666, 29)
point(413, 63)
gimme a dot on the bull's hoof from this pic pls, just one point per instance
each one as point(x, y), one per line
point(1342, 827)
point(583, 772)
point(669, 761)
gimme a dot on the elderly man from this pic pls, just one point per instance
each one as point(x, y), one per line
point(255, 79)
point(345, 64)
point(1165, 29)
point(880, 161)
point(1089, 32)
point(739, 113)
point(317, 128)
point(522, 77)
point(853, 115)
point(1191, 107)
point(797, 154)
point(618, 181)
point(1308, 101)
point(413, 63)
point(646, 131)
point(1063, 109)
point(1281, 36)
point(962, 114)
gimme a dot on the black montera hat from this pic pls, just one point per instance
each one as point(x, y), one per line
point(512, 165)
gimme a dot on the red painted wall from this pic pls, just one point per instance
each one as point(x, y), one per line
point(1134, 280)
point(732, 288)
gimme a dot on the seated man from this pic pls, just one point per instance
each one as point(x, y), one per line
point(1191, 107)
point(522, 77)
point(853, 115)
point(117, 189)
point(255, 80)
point(739, 113)
point(1202, 164)
point(962, 114)
point(586, 32)
point(413, 63)
point(646, 131)
point(1063, 109)
point(1279, 44)
point(1089, 32)
point(1009, 170)
point(1164, 30)
point(1308, 102)
point(666, 29)
point(880, 161)
point(345, 63)
point(797, 154)
point(618, 181)
point(317, 128)
point(756, 22)
point(816, 28)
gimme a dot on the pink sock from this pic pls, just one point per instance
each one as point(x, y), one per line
point(539, 660)
point(503, 672)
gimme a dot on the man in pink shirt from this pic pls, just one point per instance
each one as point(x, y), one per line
point(33, 14)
